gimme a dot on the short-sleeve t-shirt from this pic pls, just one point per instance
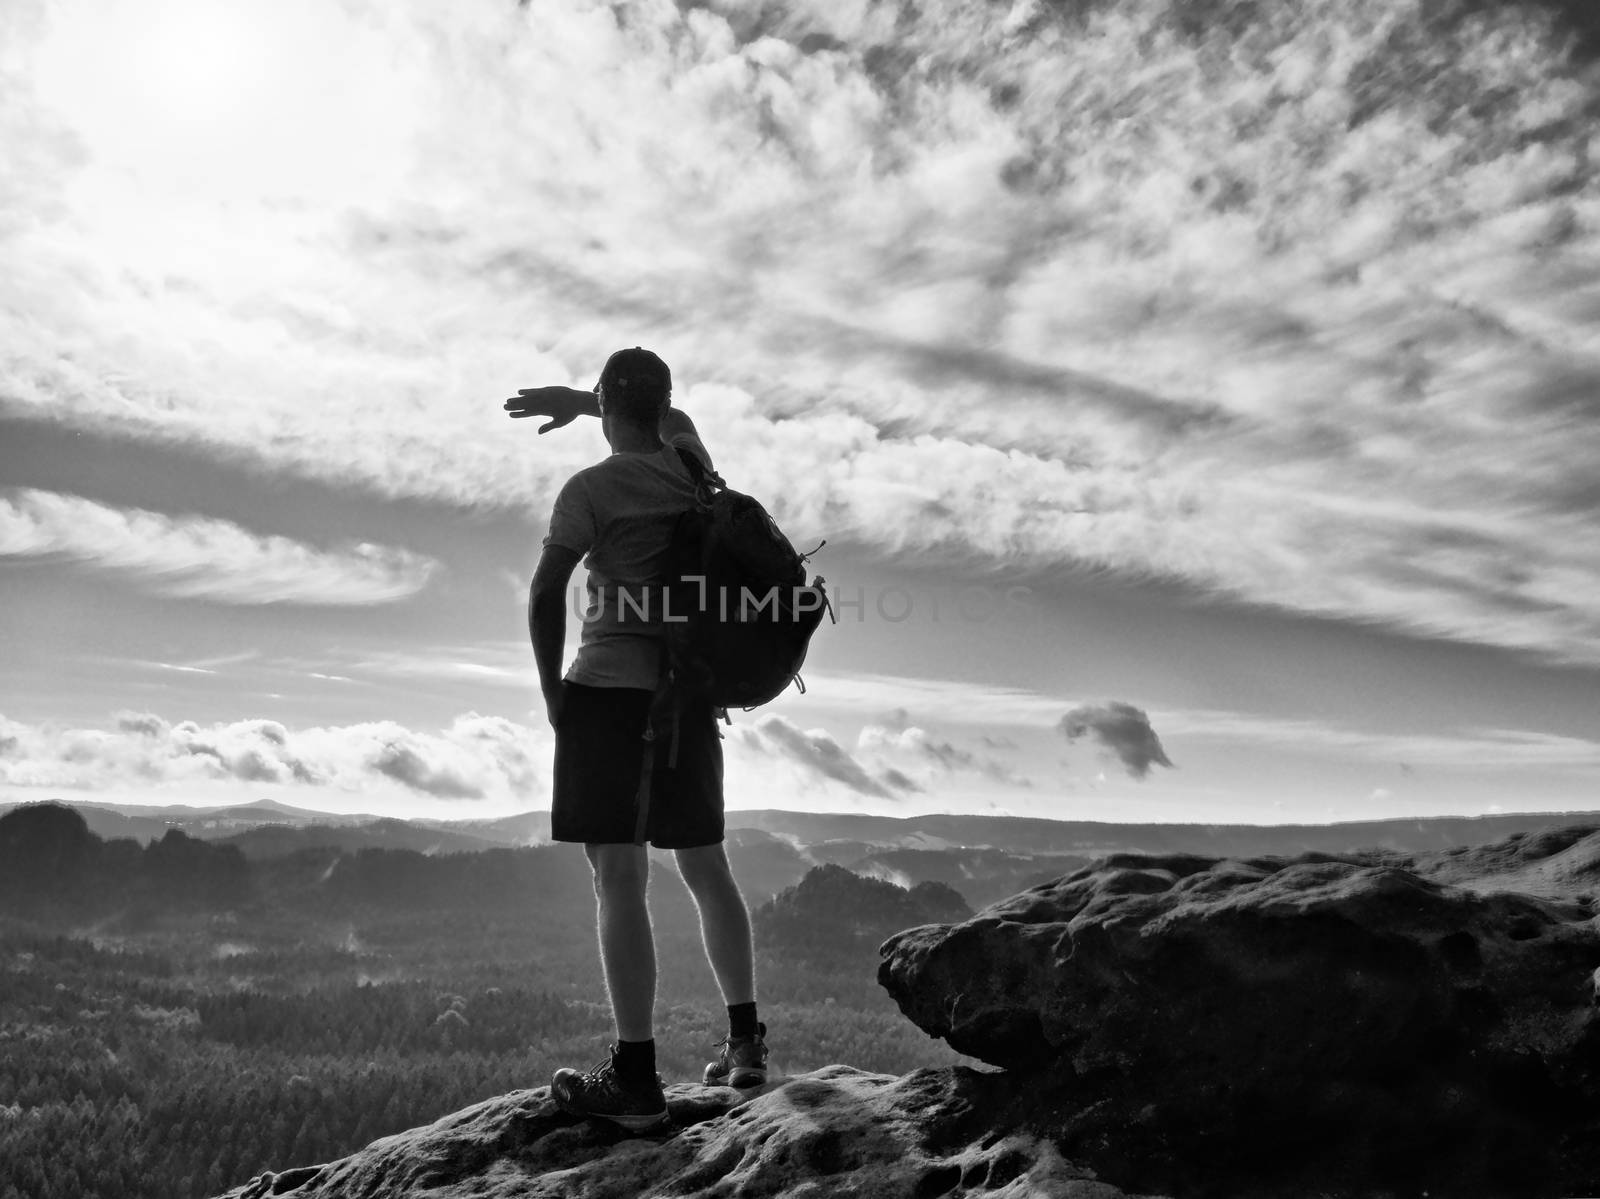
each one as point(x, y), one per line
point(619, 514)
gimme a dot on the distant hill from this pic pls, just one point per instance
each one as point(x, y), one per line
point(844, 837)
point(277, 840)
point(53, 865)
point(983, 857)
point(982, 876)
point(524, 828)
point(148, 823)
point(833, 912)
point(269, 809)
point(1082, 838)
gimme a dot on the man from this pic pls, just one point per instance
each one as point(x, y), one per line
point(618, 784)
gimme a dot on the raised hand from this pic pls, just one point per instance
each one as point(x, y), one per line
point(562, 405)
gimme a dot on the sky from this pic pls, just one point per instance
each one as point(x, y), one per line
point(1202, 417)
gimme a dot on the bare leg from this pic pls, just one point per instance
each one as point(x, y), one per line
point(724, 920)
point(627, 945)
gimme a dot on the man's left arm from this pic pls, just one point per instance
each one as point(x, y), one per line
point(677, 429)
point(547, 621)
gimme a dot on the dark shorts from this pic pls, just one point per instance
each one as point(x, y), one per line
point(599, 751)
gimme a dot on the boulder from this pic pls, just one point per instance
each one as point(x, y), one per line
point(1213, 1026)
point(835, 1131)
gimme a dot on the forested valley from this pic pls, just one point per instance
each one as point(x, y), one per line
point(175, 1017)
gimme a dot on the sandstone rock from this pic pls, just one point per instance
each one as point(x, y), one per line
point(834, 1132)
point(1556, 862)
point(1321, 1018)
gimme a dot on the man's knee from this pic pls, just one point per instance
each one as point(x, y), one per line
point(618, 869)
point(705, 867)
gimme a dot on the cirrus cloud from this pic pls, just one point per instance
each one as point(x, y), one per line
point(911, 746)
point(1030, 286)
point(199, 558)
point(816, 754)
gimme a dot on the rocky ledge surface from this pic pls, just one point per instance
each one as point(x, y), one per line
point(833, 1132)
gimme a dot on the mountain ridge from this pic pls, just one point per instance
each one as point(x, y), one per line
point(1019, 834)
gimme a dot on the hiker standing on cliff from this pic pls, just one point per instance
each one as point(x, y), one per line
point(618, 516)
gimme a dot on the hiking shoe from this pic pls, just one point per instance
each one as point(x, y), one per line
point(742, 1061)
point(603, 1094)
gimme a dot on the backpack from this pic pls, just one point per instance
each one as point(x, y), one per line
point(739, 613)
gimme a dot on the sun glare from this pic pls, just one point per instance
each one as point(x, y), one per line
point(149, 75)
point(197, 65)
point(228, 99)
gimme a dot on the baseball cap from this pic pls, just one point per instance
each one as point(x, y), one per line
point(628, 370)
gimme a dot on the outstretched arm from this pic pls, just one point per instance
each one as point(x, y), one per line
point(547, 621)
point(562, 405)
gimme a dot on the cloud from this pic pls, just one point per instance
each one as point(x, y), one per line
point(197, 558)
point(915, 747)
point(407, 764)
point(815, 752)
point(1121, 728)
point(474, 757)
point(916, 741)
point(501, 663)
point(900, 780)
point(1029, 286)
point(1468, 748)
point(945, 701)
point(146, 723)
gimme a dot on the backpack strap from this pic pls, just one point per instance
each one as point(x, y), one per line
point(703, 476)
point(665, 705)
point(641, 801)
point(663, 700)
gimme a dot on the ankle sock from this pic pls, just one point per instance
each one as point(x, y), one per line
point(742, 1020)
point(636, 1059)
